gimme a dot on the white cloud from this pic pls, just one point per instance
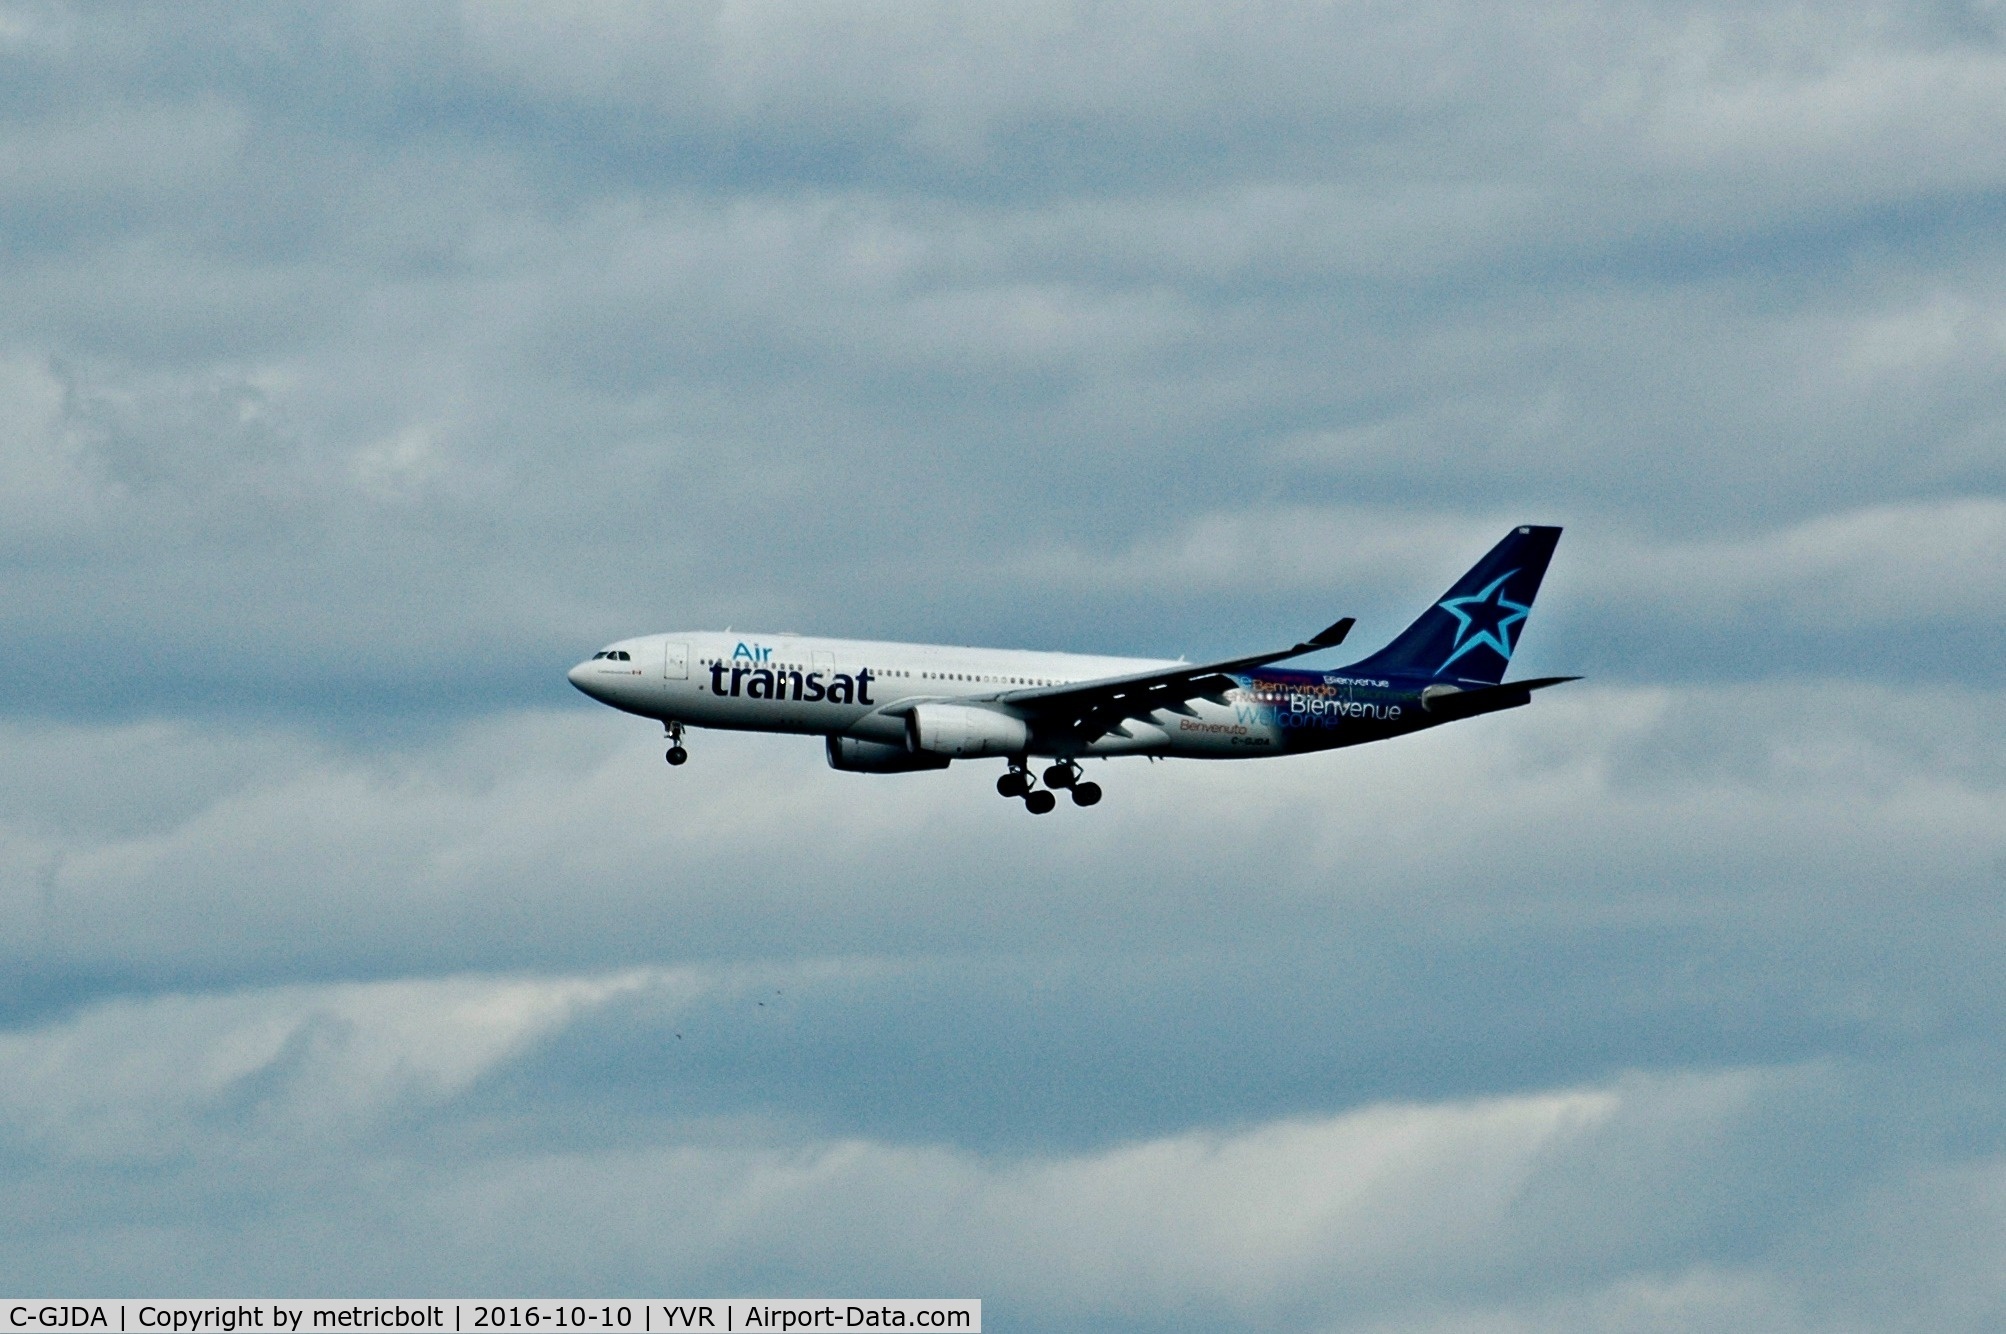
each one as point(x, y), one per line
point(1872, 571)
point(562, 836)
point(1570, 1208)
point(123, 160)
point(1793, 93)
point(47, 487)
point(1755, 107)
point(151, 1080)
point(475, 352)
point(1887, 567)
point(1237, 1218)
point(371, 363)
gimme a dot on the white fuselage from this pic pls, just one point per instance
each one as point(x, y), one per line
point(843, 687)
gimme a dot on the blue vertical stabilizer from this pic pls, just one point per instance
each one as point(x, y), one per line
point(1468, 635)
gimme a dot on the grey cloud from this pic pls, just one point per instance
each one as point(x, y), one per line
point(1901, 587)
point(1590, 1206)
point(361, 367)
point(359, 374)
point(1666, 874)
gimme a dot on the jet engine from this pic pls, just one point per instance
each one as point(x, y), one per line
point(965, 731)
point(855, 756)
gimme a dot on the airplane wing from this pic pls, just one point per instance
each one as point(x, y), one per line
point(1092, 708)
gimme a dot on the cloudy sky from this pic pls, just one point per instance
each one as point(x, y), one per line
point(363, 366)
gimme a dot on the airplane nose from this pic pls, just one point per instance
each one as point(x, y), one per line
point(577, 676)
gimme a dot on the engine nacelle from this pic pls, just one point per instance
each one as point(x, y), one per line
point(855, 756)
point(964, 731)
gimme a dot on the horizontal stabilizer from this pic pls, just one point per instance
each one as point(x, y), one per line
point(1454, 702)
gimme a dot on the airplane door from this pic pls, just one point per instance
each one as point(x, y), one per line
point(676, 662)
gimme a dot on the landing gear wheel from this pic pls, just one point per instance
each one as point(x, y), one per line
point(676, 755)
point(1086, 794)
point(1013, 784)
point(1039, 802)
point(1063, 774)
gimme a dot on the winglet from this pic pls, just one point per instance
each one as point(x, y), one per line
point(1333, 635)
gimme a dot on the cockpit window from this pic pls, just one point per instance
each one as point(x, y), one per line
point(602, 653)
point(621, 656)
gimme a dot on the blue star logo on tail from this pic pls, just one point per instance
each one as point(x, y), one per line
point(1484, 619)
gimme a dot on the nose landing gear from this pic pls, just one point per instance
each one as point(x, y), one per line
point(677, 755)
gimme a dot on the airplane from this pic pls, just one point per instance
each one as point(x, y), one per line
point(886, 708)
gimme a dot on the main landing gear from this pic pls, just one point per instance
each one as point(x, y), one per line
point(1066, 774)
point(677, 754)
point(1017, 782)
